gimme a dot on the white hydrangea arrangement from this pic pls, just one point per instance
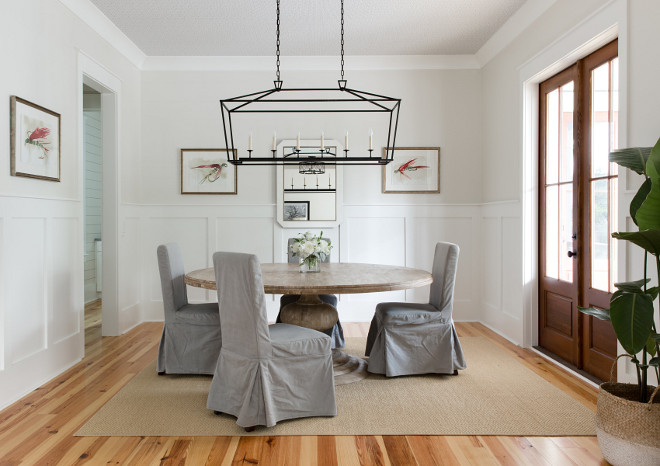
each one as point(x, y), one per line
point(311, 249)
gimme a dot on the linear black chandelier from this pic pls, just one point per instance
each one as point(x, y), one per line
point(340, 101)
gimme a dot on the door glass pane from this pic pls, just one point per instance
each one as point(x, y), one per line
point(552, 137)
point(614, 112)
point(614, 215)
point(600, 120)
point(566, 139)
point(566, 231)
point(600, 235)
point(552, 232)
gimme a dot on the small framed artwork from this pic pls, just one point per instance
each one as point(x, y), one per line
point(413, 170)
point(296, 210)
point(207, 171)
point(35, 140)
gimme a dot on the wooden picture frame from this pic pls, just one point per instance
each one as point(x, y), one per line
point(207, 171)
point(296, 210)
point(414, 170)
point(35, 134)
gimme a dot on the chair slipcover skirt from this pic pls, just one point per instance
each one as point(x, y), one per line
point(404, 340)
point(292, 384)
point(191, 344)
point(265, 373)
point(191, 339)
point(412, 338)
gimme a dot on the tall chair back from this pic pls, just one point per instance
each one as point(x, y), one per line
point(170, 266)
point(445, 263)
point(242, 305)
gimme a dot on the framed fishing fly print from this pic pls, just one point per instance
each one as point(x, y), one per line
point(413, 170)
point(35, 140)
point(207, 171)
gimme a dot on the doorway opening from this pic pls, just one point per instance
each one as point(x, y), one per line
point(98, 81)
point(92, 134)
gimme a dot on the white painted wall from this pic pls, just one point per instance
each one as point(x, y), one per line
point(41, 222)
point(440, 108)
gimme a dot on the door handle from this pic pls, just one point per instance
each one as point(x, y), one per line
point(572, 253)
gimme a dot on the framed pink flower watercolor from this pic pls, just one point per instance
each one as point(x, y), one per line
point(35, 140)
point(207, 171)
point(413, 170)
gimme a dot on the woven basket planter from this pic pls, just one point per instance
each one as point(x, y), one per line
point(628, 431)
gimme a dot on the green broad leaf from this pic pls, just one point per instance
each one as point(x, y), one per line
point(646, 239)
point(653, 162)
point(640, 197)
point(648, 214)
point(633, 287)
point(650, 345)
point(632, 319)
point(616, 294)
point(656, 337)
point(633, 158)
point(654, 362)
point(653, 292)
point(602, 314)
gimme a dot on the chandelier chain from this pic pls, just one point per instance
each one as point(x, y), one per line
point(278, 40)
point(342, 39)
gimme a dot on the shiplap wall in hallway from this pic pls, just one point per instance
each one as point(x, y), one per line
point(92, 191)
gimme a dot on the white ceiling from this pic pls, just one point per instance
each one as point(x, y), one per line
point(308, 27)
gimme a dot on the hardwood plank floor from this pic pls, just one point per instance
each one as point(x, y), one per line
point(38, 429)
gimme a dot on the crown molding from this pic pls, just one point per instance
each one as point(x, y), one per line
point(312, 63)
point(99, 23)
point(512, 28)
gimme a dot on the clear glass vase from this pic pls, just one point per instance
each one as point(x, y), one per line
point(310, 264)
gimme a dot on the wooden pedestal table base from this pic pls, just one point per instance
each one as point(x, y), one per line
point(309, 311)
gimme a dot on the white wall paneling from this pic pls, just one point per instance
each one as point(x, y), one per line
point(27, 288)
point(406, 235)
point(65, 242)
point(41, 303)
point(395, 235)
point(501, 269)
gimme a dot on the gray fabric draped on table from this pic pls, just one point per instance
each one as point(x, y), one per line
point(265, 373)
point(191, 339)
point(411, 338)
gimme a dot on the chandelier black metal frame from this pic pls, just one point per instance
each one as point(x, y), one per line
point(310, 100)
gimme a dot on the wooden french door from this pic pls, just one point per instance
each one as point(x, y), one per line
point(577, 209)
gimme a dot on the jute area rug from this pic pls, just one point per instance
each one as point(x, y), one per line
point(495, 395)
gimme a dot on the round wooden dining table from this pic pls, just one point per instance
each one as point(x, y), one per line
point(334, 278)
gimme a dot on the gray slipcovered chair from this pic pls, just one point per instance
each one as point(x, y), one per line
point(265, 373)
point(336, 332)
point(412, 338)
point(191, 338)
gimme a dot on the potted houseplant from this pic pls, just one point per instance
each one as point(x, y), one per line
point(628, 415)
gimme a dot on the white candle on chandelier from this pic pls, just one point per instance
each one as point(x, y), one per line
point(346, 141)
point(371, 139)
point(274, 140)
point(322, 143)
point(298, 142)
point(250, 142)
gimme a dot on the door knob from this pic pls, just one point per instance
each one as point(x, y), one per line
point(572, 253)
